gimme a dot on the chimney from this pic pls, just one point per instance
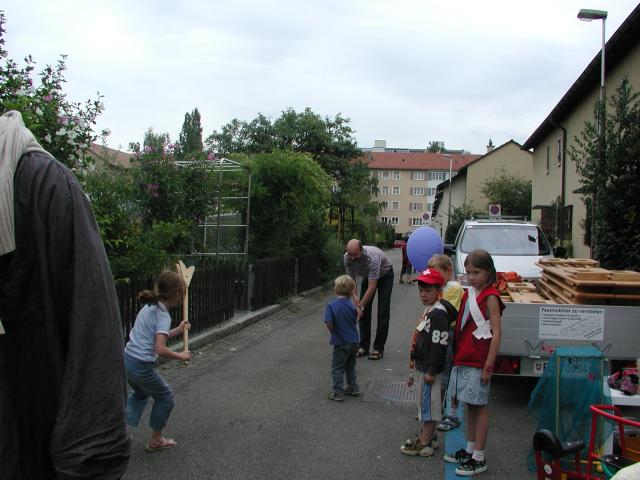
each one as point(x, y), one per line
point(379, 145)
point(490, 147)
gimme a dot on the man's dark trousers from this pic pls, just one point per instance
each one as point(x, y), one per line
point(383, 289)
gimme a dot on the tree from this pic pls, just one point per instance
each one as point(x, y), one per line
point(609, 168)
point(289, 198)
point(329, 141)
point(62, 127)
point(149, 214)
point(458, 216)
point(512, 192)
point(435, 147)
point(190, 139)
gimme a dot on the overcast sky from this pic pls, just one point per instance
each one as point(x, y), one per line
point(405, 71)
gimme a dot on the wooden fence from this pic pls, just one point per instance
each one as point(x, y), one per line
point(211, 298)
point(273, 281)
point(217, 290)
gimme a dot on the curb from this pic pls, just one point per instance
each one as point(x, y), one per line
point(245, 319)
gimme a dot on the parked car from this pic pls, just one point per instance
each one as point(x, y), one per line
point(515, 245)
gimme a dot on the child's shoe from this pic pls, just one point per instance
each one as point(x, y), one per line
point(471, 467)
point(434, 441)
point(448, 423)
point(336, 396)
point(461, 457)
point(352, 391)
point(416, 447)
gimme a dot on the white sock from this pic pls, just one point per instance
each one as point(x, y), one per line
point(471, 447)
point(478, 455)
point(452, 412)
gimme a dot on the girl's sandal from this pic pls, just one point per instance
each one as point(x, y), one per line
point(375, 355)
point(162, 444)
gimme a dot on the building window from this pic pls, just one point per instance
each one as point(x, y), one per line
point(559, 152)
point(440, 176)
point(416, 221)
point(395, 205)
point(395, 191)
point(548, 218)
point(384, 219)
point(395, 221)
point(432, 191)
point(384, 190)
point(417, 175)
point(415, 207)
point(396, 175)
point(548, 158)
point(386, 174)
point(429, 205)
point(416, 191)
point(384, 205)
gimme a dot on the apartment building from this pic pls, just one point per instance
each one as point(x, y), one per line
point(407, 181)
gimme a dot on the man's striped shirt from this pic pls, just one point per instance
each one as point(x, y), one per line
point(373, 264)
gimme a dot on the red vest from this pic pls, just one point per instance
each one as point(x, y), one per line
point(469, 350)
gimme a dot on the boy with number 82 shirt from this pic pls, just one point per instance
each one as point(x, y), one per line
point(428, 353)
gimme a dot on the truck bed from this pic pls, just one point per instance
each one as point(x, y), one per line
point(533, 331)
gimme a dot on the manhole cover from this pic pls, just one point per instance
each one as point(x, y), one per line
point(390, 390)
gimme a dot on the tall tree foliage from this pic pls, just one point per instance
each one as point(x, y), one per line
point(512, 192)
point(458, 216)
point(328, 140)
point(289, 196)
point(190, 139)
point(435, 147)
point(609, 166)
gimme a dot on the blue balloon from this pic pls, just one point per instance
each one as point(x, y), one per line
point(423, 243)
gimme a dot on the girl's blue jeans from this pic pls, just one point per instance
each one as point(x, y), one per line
point(146, 382)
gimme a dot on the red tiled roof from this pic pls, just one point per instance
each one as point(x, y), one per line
point(416, 160)
point(114, 157)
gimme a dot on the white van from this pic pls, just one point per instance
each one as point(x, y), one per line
point(514, 245)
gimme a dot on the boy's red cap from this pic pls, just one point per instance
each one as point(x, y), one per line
point(431, 276)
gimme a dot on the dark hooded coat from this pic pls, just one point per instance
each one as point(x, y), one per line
point(62, 379)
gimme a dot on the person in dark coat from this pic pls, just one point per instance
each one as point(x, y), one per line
point(62, 378)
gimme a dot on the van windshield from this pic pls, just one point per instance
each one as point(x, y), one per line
point(505, 240)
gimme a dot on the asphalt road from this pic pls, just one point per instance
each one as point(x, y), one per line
point(254, 405)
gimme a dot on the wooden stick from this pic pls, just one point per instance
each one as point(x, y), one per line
point(187, 275)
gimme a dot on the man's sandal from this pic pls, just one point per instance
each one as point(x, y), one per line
point(375, 355)
point(362, 352)
point(162, 444)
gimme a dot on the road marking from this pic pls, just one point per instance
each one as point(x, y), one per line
point(454, 441)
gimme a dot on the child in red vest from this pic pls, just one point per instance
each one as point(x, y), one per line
point(477, 340)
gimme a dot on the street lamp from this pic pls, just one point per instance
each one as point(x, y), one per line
point(588, 15)
point(449, 188)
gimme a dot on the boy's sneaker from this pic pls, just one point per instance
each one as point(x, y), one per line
point(461, 457)
point(352, 391)
point(416, 447)
point(448, 423)
point(434, 441)
point(471, 467)
point(336, 397)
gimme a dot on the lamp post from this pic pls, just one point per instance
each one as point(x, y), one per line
point(449, 188)
point(588, 15)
